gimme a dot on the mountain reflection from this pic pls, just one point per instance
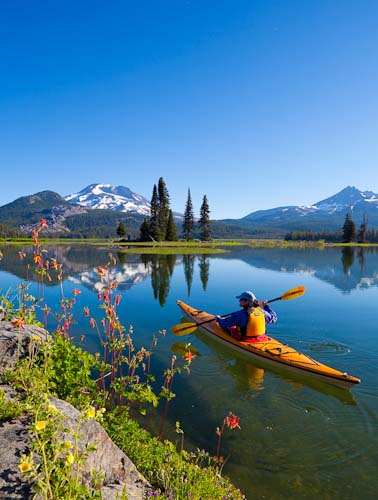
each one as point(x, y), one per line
point(346, 268)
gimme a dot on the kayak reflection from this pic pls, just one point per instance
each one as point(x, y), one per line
point(250, 374)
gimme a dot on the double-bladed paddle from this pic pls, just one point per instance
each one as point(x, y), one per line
point(186, 328)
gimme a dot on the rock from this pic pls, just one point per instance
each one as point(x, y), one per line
point(15, 343)
point(118, 470)
point(14, 437)
point(108, 460)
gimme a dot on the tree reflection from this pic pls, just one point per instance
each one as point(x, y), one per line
point(161, 271)
point(204, 266)
point(188, 270)
point(361, 259)
point(347, 259)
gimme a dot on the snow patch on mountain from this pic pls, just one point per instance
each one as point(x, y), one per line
point(109, 197)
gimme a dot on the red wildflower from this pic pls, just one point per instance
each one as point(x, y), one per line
point(117, 299)
point(76, 291)
point(189, 356)
point(18, 323)
point(54, 264)
point(92, 322)
point(232, 422)
point(38, 260)
point(100, 271)
point(43, 223)
point(86, 311)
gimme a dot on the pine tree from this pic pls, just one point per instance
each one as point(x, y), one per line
point(171, 234)
point(144, 231)
point(349, 229)
point(361, 235)
point(121, 230)
point(188, 223)
point(204, 220)
point(163, 198)
point(154, 218)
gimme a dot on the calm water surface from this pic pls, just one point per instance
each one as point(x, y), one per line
point(299, 438)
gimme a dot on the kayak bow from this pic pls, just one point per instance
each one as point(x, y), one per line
point(272, 351)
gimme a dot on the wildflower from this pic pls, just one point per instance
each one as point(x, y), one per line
point(92, 322)
point(117, 299)
point(54, 264)
point(114, 284)
point(40, 425)
point(70, 459)
point(189, 356)
point(43, 223)
point(26, 463)
point(91, 413)
point(38, 260)
point(18, 323)
point(52, 408)
point(36, 338)
point(76, 291)
point(67, 445)
point(100, 271)
point(232, 422)
point(86, 311)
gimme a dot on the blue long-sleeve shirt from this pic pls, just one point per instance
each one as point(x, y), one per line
point(240, 318)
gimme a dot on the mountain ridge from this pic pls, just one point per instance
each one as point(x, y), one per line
point(80, 213)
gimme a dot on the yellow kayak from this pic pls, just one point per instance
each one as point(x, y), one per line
point(271, 350)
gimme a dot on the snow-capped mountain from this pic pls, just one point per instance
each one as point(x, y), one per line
point(106, 196)
point(327, 214)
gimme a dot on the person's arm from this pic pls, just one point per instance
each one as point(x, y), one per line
point(238, 318)
point(227, 322)
point(270, 315)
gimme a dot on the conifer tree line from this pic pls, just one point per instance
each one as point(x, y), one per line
point(348, 234)
point(161, 225)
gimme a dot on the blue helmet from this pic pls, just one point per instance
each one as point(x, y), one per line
point(250, 296)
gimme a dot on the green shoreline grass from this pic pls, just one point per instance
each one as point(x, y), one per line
point(184, 247)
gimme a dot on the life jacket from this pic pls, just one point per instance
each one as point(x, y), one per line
point(256, 323)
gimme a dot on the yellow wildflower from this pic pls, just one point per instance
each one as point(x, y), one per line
point(91, 413)
point(52, 408)
point(26, 463)
point(67, 445)
point(70, 459)
point(25, 466)
point(41, 425)
point(36, 338)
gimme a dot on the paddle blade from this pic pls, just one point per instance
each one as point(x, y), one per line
point(293, 293)
point(184, 328)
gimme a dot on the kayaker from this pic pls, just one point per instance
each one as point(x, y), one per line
point(249, 324)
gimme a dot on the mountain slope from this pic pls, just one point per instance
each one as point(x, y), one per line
point(106, 196)
point(63, 217)
point(328, 214)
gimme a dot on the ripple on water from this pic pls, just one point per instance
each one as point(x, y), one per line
point(328, 347)
point(315, 432)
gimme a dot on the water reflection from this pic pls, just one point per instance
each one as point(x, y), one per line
point(249, 373)
point(346, 269)
point(188, 271)
point(161, 269)
point(204, 266)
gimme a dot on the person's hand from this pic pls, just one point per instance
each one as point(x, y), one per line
point(261, 303)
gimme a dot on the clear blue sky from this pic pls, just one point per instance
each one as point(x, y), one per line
point(255, 103)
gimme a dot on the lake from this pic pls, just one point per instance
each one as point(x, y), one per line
point(299, 438)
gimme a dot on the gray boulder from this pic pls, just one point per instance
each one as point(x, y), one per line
point(118, 472)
